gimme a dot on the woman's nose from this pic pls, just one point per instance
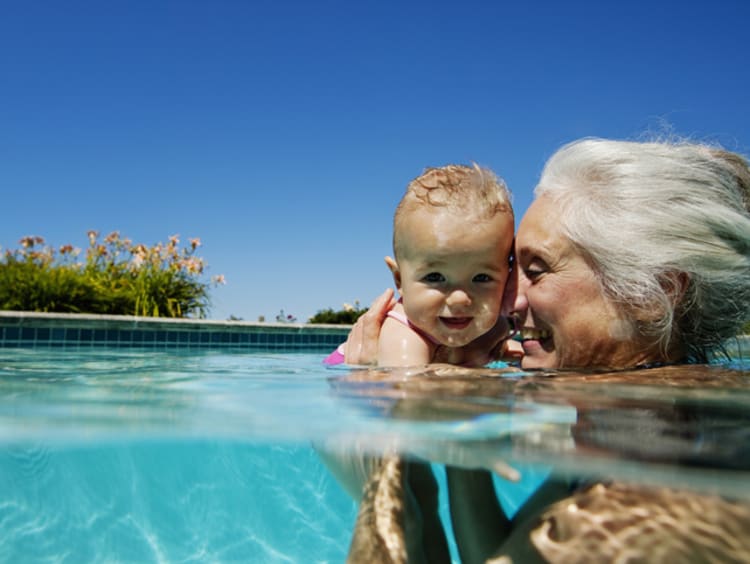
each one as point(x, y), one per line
point(514, 297)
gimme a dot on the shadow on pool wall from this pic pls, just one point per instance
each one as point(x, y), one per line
point(75, 331)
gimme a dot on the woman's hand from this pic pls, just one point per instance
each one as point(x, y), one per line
point(361, 346)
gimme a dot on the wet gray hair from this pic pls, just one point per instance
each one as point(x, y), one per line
point(666, 228)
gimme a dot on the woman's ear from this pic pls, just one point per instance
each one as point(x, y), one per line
point(393, 266)
point(676, 285)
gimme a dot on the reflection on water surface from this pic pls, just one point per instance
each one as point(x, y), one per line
point(679, 425)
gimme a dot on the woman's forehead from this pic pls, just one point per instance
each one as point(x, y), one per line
point(540, 223)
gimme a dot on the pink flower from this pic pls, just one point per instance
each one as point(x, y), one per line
point(31, 240)
point(112, 237)
point(192, 265)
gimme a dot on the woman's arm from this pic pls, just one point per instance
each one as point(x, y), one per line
point(479, 522)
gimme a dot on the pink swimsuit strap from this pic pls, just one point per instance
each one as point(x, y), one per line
point(401, 318)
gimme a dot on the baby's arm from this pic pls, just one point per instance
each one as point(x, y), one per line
point(400, 345)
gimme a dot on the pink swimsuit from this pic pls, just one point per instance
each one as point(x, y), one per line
point(336, 357)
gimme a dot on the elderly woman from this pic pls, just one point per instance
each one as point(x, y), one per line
point(632, 255)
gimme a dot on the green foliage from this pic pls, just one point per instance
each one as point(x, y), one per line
point(116, 277)
point(346, 316)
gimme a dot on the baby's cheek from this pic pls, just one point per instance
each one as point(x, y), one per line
point(485, 322)
point(489, 312)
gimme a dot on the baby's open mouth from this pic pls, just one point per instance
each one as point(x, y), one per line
point(456, 322)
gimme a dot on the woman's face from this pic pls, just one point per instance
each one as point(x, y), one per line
point(567, 320)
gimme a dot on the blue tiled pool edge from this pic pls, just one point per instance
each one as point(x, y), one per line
point(58, 330)
point(71, 330)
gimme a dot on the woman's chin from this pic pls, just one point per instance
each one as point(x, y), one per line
point(536, 357)
point(534, 363)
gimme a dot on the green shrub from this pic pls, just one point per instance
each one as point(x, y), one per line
point(116, 277)
point(346, 316)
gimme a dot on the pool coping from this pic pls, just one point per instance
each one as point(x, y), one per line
point(21, 329)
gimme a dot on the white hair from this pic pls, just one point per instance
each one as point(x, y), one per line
point(666, 227)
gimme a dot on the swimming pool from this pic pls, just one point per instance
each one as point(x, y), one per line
point(175, 456)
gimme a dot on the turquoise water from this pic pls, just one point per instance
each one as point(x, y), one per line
point(169, 501)
point(163, 457)
point(169, 457)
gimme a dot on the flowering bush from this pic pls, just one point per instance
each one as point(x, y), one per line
point(115, 277)
point(346, 316)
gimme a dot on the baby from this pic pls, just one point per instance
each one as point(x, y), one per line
point(452, 237)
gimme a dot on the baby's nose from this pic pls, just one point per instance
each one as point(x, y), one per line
point(458, 297)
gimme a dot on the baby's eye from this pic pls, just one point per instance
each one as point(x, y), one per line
point(482, 278)
point(433, 277)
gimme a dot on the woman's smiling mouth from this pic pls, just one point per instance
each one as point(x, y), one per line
point(533, 334)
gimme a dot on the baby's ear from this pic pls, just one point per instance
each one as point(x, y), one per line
point(393, 266)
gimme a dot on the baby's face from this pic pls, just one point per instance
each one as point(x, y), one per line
point(452, 272)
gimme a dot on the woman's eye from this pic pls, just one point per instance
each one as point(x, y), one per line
point(433, 277)
point(482, 278)
point(533, 272)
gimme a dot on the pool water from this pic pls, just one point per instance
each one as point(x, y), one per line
point(147, 456)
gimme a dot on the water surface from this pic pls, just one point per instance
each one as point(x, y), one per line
point(172, 456)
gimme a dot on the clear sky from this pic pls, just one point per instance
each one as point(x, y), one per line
point(283, 133)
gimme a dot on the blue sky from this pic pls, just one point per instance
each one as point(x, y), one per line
point(282, 133)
